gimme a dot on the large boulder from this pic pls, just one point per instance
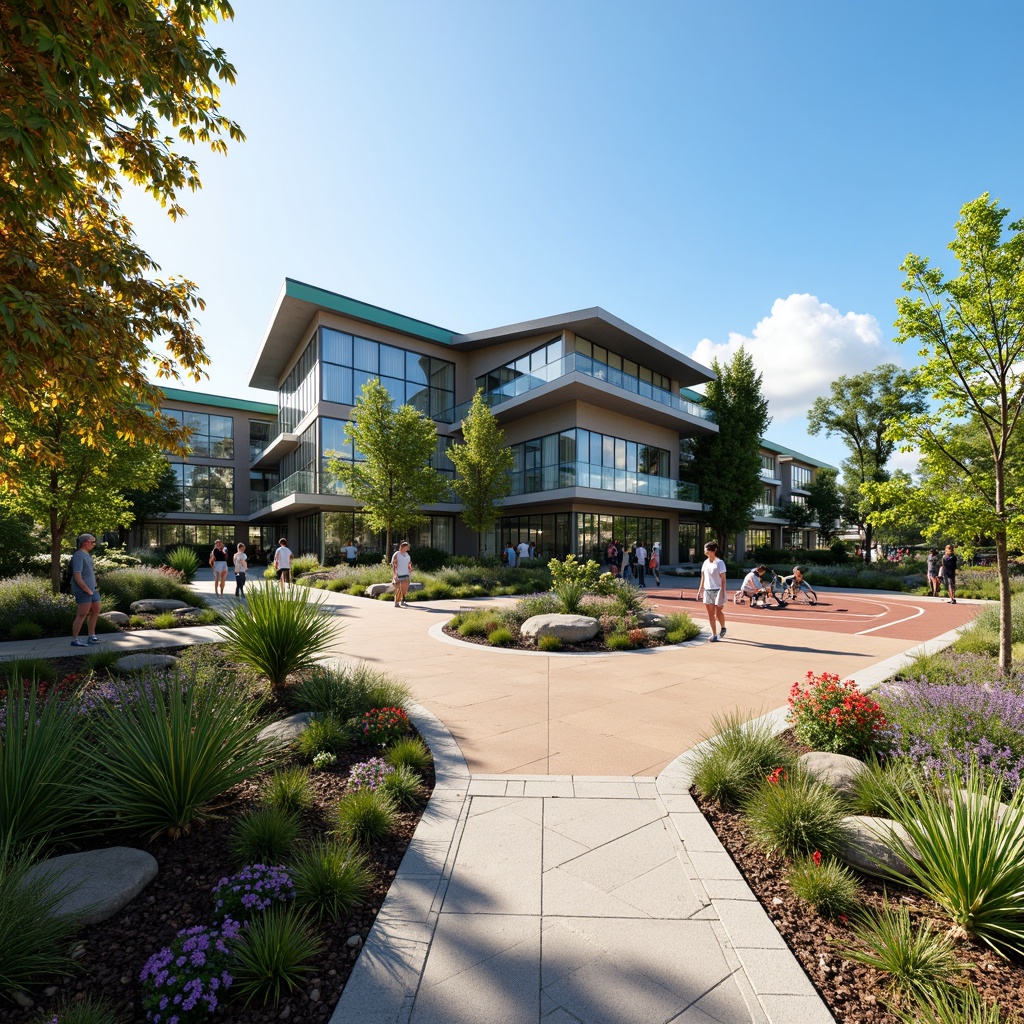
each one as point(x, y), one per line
point(132, 663)
point(155, 605)
point(287, 730)
point(95, 884)
point(866, 846)
point(655, 632)
point(837, 771)
point(570, 629)
point(651, 619)
point(115, 618)
point(376, 589)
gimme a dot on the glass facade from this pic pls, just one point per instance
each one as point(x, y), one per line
point(162, 535)
point(551, 533)
point(436, 532)
point(768, 466)
point(208, 489)
point(594, 532)
point(261, 433)
point(213, 436)
point(411, 378)
point(611, 366)
point(757, 539)
point(800, 477)
point(297, 395)
point(585, 458)
point(540, 365)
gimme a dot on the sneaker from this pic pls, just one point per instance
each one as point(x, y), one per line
point(94, 639)
point(714, 639)
point(405, 604)
point(79, 643)
point(953, 601)
point(722, 631)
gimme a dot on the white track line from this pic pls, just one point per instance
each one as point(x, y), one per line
point(920, 612)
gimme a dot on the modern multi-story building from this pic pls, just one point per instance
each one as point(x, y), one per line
point(593, 409)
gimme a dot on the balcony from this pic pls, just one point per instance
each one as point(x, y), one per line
point(767, 512)
point(575, 362)
point(303, 482)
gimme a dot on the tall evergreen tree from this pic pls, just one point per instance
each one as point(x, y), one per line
point(826, 503)
point(392, 477)
point(483, 463)
point(727, 465)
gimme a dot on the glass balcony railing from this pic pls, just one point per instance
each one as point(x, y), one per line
point(768, 511)
point(575, 362)
point(686, 491)
point(303, 482)
point(583, 474)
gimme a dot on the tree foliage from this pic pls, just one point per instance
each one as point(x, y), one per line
point(392, 477)
point(970, 333)
point(859, 409)
point(92, 95)
point(826, 503)
point(483, 463)
point(727, 465)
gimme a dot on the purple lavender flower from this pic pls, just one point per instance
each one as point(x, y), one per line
point(253, 889)
point(369, 774)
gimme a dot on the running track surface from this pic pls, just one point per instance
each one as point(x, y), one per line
point(897, 616)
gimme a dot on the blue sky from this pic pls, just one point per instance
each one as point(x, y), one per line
point(709, 172)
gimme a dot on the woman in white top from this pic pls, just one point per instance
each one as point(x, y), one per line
point(712, 588)
point(401, 568)
point(241, 567)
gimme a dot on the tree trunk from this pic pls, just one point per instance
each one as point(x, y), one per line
point(869, 533)
point(56, 536)
point(1005, 609)
point(479, 544)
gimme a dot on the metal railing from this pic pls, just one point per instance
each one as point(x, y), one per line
point(303, 482)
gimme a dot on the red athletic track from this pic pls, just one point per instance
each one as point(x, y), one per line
point(896, 616)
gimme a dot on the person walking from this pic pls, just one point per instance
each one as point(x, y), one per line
point(641, 564)
point(627, 562)
point(241, 568)
point(351, 554)
point(932, 568)
point(219, 563)
point(283, 563)
point(522, 551)
point(712, 589)
point(612, 555)
point(401, 572)
point(510, 556)
point(84, 590)
point(949, 567)
point(656, 562)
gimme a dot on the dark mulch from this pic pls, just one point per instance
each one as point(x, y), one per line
point(854, 994)
point(114, 951)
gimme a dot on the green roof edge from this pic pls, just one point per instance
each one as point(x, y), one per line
point(365, 311)
point(177, 395)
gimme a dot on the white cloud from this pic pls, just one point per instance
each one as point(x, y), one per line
point(800, 348)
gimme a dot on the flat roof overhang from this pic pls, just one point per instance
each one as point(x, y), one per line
point(632, 504)
point(279, 447)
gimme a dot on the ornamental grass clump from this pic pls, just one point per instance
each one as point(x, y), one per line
point(279, 633)
point(947, 728)
point(332, 880)
point(795, 816)
point(187, 981)
point(834, 716)
point(86, 1011)
point(366, 816)
point(957, 1006)
point(874, 785)
point(404, 786)
point(411, 751)
point(323, 734)
point(737, 757)
point(347, 691)
point(185, 561)
point(289, 790)
point(273, 955)
point(572, 579)
point(966, 852)
point(829, 886)
point(266, 835)
point(254, 889)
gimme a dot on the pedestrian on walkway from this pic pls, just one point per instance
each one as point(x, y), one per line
point(401, 572)
point(351, 554)
point(949, 567)
point(655, 562)
point(283, 563)
point(932, 568)
point(641, 564)
point(510, 556)
point(712, 588)
point(627, 562)
point(219, 563)
point(241, 568)
point(85, 591)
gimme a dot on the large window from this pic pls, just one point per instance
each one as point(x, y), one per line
point(162, 535)
point(755, 539)
point(768, 465)
point(208, 489)
point(799, 477)
point(611, 366)
point(525, 373)
point(585, 458)
point(594, 532)
point(297, 395)
point(212, 437)
point(261, 433)
point(411, 378)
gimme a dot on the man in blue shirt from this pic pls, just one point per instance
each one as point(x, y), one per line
point(85, 591)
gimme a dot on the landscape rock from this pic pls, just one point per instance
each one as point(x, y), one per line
point(655, 632)
point(376, 589)
point(137, 662)
point(98, 883)
point(569, 629)
point(865, 849)
point(651, 619)
point(188, 610)
point(287, 730)
point(837, 771)
point(117, 618)
point(151, 605)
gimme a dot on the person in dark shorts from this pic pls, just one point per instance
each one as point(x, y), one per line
point(283, 563)
point(932, 568)
point(84, 590)
point(949, 567)
point(219, 564)
point(241, 561)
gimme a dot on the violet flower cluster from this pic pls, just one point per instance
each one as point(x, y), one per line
point(946, 728)
point(369, 774)
point(255, 888)
point(183, 982)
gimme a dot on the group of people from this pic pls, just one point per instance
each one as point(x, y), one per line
point(941, 571)
point(753, 587)
point(634, 562)
point(512, 556)
point(218, 561)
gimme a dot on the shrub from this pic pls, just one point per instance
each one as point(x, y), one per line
point(323, 734)
point(829, 887)
point(971, 859)
point(988, 618)
point(833, 716)
point(347, 692)
point(187, 979)
point(161, 755)
point(428, 559)
point(680, 628)
point(874, 785)
point(366, 816)
point(618, 642)
point(26, 630)
point(138, 622)
point(737, 757)
point(379, 726)
point(331, 880)
point(165, 620)
point(324, 760)
point(185, 560)
point(958, 1006)
point(28, 670)
point(500, 637)
point(254, 889)
point(88, 1010)
point(628, 599)
point(27, 598)
point(125, 586)
point(208, 617)
point(404, 786)
point(437, 590)
point(289, 790)
point(265, 836)
point(279, 633)
point(916, 960)
point(33, 943)
point(411, 751)
point(305, 564)
point(273, 955)
point(795, 817)
point(549, 643)
point(571, 579)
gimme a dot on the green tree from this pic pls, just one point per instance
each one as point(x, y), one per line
point(17, 540)
point(727, 465)
point(970, 335)
point(826, 503)
point(483, 463)
point(86, 494)
point(92, 95)
point(860, 409)
point(797, 516)
point(392, 477)
point(153, 502)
